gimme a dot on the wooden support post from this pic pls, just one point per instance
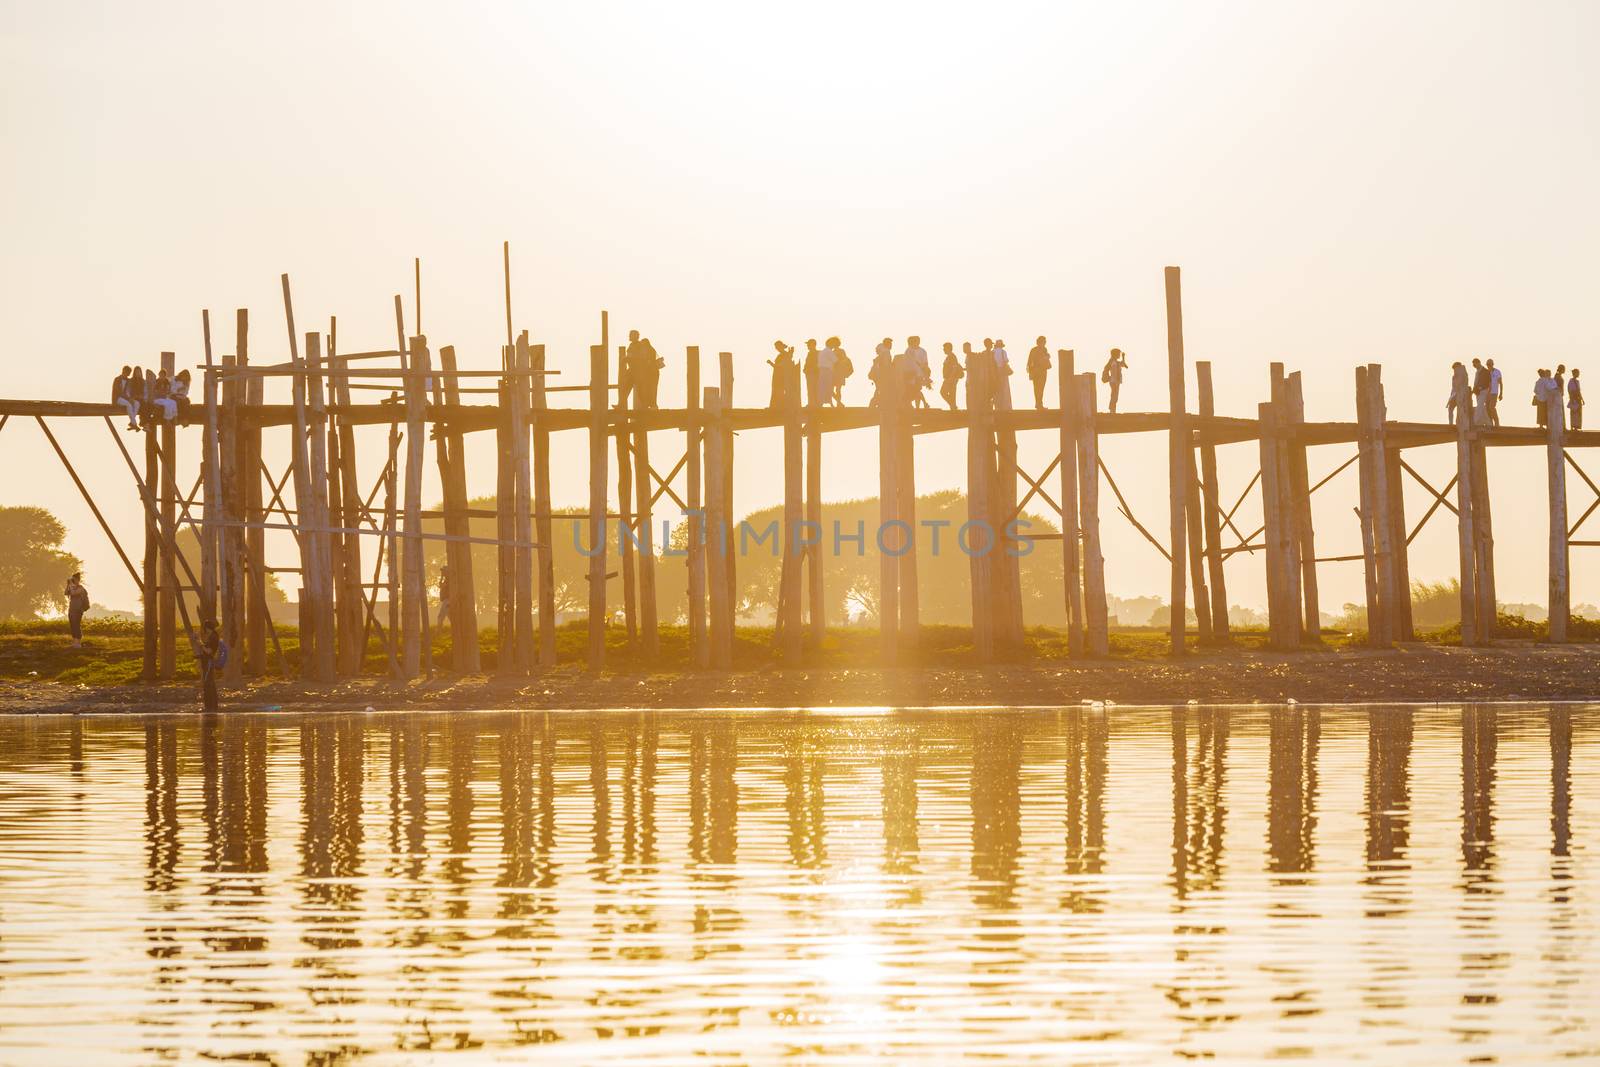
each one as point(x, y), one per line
point(545, 550)
point(1466, 535)
point(1094, 561)
point(211, 474)
point(258, 618)
point(789, 597)
point(625, 527)
point(1212, 507)
point(391, 523)
point(1177, 453)
point(1483, 539)
point(1382, 525)
point(353, 599)
point(1288, 514)
point(1005, 572)
point(230, 577)
point(699, 648)
point(718, 539)
point(463, 606)
point(1366, 469)
point(644, 517)
point(1300, 498)
point(1400, 610)
point(1071, 579)
point(343, 617)
point(906, 483)
point(725, 392)
point(413, 589)
point(599, 388)
point(1556, 482)
point(888, 517)
point(505, 526)
point(1197, 562)
point(168, 494)
point(815, 560)
point(320, 576)
point(980, 548)
point(522, 502)
point(1277, 535)
point(152, 557)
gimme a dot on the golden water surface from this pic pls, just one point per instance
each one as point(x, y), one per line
point(1126, 886)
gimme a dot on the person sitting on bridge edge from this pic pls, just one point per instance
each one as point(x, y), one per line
point(122, 396)
point(1038, 371)
point(952, 372)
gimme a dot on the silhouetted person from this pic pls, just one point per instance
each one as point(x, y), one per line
point(1038, 371)
point(646, 376)
point(918, 374)
point(122, 397)
point(161, 399)
point(1458, 371)
point(842, 369)
point(812, 370)
point(952, 372)
point(1002, 378)
point(1497, 389)
point(966, 348)
point(212, 656)
point(780, 374)
point(444, 597)
point(882, 367)
point(1480, 392)
point(625, 370)
point(1574, 402)
point(827, 360)
point(147, 399)
point(77, 598)
point(1112, 373)
point(1543, 390)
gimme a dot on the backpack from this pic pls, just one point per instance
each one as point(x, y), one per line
point(843, 368)
point(220, 660)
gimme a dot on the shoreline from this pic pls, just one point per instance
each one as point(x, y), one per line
point(1412, 673)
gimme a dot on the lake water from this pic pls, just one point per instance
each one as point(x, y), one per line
point(1077, 886)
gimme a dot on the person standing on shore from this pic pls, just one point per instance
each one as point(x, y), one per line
point(1038, 371)
point(1497, 389)
point(1574, 402)
point(77, 604)
point(212, 656)
point(1111, 374)
point(952, 372)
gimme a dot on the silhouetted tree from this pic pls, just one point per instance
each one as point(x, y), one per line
point(33, 567)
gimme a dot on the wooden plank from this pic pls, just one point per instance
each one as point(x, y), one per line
point(695, 561)
point(1067, 464)
point(542, 534)
point(1212, 513)
point(599, 370)
point(1300, 493)
point(1177, 453)
point(1560, 589)
point(719, 545)
point(522, 504)
point(1096, 632)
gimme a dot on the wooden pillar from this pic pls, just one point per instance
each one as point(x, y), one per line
point(1466, 535)
point(168, 493)
point(1005, 572)
point(340, 591)
point(545, 550)
point(599, 388)
point(349, 515)
point(1288, 515)
point(1400, 610)
point(888, 515)
point(320, 579)
point(1300, 492)
point(1366, 470)
point(1556, 482)
point(815, 560)
point(644, 516)
point(1212, 515)
point(725, 392)
point(152, 557)
point(1097, 638)
point(625, 527)
point(789, 595)
point(230, 576)
point(211, 474)
point(1276, 535)
point(1071, 579)
point(522, 502)
point(505, 526)
point(256, 616)
point(463, 605)
point(906, 484)
point(1197, 562)
point(1483, 539)
point(1177, 453)
point(1382, 526)
point(718, 539)
point(699, 649)
point(391, 523)
point(978, 538)
point(413, 601)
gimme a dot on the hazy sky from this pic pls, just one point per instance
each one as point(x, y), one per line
point(1341, 183)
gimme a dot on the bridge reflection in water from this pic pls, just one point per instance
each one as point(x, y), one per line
point(333, 888)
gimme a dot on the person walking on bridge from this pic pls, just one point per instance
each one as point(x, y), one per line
point(917, 374)
point(1480, 393)
point(812, 371)
point(1574, 402)
point(1497, 389)
point(780, 374)
point(1112, 373)
point(1543, 390)
point(1002, 378)
point(952, 372)
point(1038, 371)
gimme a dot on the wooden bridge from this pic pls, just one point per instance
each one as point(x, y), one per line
point(342, 527)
